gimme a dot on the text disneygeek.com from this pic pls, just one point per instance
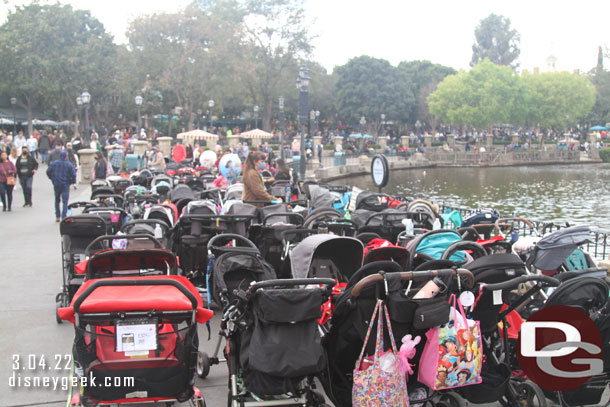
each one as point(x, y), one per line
point(28, 371)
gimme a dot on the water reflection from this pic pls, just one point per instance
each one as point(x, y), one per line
point(577, 194)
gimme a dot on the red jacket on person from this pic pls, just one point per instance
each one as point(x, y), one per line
point(178, 153)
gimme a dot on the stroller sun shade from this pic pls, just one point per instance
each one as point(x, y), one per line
point(345, 254)
point(108, 261)
point(552, 250)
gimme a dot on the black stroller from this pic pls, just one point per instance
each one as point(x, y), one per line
point(274, 347)
point(77, 232)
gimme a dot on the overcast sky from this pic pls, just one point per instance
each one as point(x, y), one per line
point(441, 31)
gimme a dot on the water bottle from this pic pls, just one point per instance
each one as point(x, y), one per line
point(409, 228)
point(347, 216)
point(69, 212)
point(287, 193)
point(158, 231)
point(437, 224)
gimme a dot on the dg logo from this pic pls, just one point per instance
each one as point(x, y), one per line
point(560, 348)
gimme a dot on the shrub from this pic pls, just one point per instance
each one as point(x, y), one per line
point(604, 154)
point(329, 147)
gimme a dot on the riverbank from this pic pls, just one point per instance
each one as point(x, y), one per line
point(362, 165)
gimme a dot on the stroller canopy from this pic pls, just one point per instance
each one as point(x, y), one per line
point(345, 252)
point(161, 293)
point(552, 250)
point(182, 191)
point(108, 261)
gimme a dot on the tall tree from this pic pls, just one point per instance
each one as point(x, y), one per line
point(496, 40)
point(425, 77)
point(50, 53)
point(276, 35)
point(370, 86)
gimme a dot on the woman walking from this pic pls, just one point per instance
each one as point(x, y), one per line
point(8, 180)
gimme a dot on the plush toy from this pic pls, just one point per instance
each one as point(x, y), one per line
point(406, 352)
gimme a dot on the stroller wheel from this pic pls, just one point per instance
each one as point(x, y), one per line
point(451, 399)
point(57, 318)
point(317, 400)
point(203, 364)
point(524, 393)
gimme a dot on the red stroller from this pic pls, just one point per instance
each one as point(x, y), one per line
point(136, 340)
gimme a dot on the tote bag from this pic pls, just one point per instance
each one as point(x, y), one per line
point(453, 354)
point(376, 385)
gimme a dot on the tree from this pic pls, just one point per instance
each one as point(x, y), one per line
point(556, 100)
point(494, 39)
point(425, 77)
point(50, 53)
point(600, 113)
point(276, 36)
point(485, 95)
point(370, 86)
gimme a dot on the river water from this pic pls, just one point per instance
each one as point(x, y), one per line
point(578, 194)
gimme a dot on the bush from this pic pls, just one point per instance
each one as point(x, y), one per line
point(329, 147)
point(604, 154)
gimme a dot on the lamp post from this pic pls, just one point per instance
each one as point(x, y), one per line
point(79, 105)
point(199, 112)
point(312, 118)
point(417, 126)
point(282, 126)
point(303, 87)
point(13, 103)
point(255, 116)
point(211, 105)
point(382, 124)
point(362, 123)
point(317, 120)
point(86, 98)
point(139, 101)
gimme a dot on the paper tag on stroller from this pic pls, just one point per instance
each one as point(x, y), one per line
point(136, 337)
point(497, 295)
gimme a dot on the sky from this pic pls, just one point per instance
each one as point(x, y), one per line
point(441, 31)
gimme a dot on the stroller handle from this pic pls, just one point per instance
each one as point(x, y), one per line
point(553, 282)
point(227, 237)
point(111, 282)
point(413, 275)
point(501, 221)
point(145, 222)
point(286, 234)
point(297, 216)
point(329, 282)
point(109, 238)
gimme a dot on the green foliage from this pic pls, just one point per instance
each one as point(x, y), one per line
point(555, 100)
point(604, 154)
point(425, 76)
point(370, 86)
point(328, 147)
point(487, 94)
point(600, 114)
point(494, 39)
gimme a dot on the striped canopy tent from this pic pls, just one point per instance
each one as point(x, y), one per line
point(189, 137)
point(256, 135)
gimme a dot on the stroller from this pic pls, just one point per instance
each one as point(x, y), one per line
point(442, 244)
point(113, 216)
point(234, 263)
point(382, 280)
point(140, 334)
point(77, 232)
point(274, 348)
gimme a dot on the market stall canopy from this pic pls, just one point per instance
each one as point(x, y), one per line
point(256, 133)
point(358, 135)
point(598, 128)
point(197, 135)
point(5, 121)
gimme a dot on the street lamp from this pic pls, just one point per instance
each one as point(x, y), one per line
point(139, 101)
point(86, 98)
point(282, 126)
point(13, 103)
point(362, 123)
point(199, 112)
point(256, 116)
point(317, 119)
point(79, 105)
point(312, 118)
point(211, 105)
point(417, 126)
point(303, 87)
point(382, 124)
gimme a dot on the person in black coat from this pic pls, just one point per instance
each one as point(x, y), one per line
point(26, 168)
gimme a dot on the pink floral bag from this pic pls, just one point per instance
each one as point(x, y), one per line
point(382, 383)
